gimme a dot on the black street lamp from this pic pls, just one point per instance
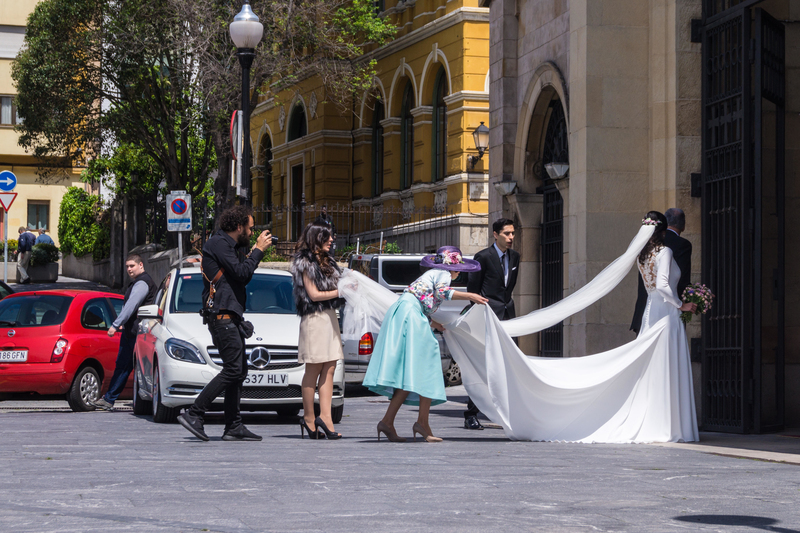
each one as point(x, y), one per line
point(481, 138)
point(246, 32)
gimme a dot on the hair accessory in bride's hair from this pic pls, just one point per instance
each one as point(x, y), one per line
point(649, 222)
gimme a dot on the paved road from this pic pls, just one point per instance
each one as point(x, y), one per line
point(99, 471)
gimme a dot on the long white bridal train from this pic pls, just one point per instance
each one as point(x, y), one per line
point(639, 392)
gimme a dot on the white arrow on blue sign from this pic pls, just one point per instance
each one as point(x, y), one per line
point(7, 181)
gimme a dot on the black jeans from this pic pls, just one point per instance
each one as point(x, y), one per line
point(123, 368)
point(230, 343)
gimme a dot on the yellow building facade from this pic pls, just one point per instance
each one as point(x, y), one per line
point(396, 159)
point(37, 204)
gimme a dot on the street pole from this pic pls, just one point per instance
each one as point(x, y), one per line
point(5, 246)
point(246, 56)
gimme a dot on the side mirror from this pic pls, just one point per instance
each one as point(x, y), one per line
point(148, 311)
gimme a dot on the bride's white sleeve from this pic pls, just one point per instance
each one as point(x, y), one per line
point(663, 265)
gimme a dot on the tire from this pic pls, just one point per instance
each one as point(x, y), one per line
point(140, 406)
point(337, 413)
point(452, 376)
point(85, 388)
point(288, 412)
point(161, 413)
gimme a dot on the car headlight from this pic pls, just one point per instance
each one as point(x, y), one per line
point(183, 351)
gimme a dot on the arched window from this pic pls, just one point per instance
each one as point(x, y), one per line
point(407, 138)
point(377, 149)
point(297, 123)
point(266, 158)
point(439, 167)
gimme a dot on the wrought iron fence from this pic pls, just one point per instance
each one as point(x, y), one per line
point(366, 229)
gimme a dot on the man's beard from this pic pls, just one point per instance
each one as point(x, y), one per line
point(243, 240)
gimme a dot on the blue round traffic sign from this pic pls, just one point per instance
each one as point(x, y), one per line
point(7, 181)
point(179, 206)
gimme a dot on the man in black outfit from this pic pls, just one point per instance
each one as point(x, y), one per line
point(495, 281)
point(681, 252)
point(229, 271)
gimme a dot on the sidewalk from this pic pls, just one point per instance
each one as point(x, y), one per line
point(63, 283)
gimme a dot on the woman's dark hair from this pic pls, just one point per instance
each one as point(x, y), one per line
point(657, 240)
point(233, 217)
point(313, 237)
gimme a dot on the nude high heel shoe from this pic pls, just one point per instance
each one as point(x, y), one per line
point(390, 433)
point(425, 435)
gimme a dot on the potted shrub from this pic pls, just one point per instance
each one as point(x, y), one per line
point(44, 264)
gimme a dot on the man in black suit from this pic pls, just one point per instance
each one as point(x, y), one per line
point(495, 281)
point(681, 252)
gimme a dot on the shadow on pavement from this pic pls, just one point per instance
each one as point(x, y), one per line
point(759, 522)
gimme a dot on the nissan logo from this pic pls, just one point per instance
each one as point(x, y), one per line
point(259, 358)
point(11, 333)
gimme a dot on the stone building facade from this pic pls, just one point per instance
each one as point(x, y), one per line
point(657, 104)
point(401, 149)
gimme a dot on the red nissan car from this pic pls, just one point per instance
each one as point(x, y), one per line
point(54, 344)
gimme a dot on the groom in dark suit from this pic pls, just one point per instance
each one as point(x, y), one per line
point(495, 281)
point(681, 252)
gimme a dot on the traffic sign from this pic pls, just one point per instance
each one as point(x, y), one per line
point(179, 211)
point(7, 181)
point(6, 199)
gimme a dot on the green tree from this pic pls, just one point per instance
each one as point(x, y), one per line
point(81, 228)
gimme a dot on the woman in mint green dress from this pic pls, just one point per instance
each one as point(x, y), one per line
point(406, 363)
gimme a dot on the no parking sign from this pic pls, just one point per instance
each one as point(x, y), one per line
point(179, 211)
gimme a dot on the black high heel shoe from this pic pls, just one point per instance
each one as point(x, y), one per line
point(311, 434)
point(332, 435)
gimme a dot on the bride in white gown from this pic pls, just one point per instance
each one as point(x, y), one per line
point(639, 392)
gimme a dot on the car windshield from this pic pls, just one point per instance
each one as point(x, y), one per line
point(266, 294)
point(33, 310)
point(403, 273)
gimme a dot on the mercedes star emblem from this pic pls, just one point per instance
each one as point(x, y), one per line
point(11, 333)
point(259, 357)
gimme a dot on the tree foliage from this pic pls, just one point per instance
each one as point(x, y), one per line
point(80, 230)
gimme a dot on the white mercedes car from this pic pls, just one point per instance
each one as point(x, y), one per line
point(175, 358)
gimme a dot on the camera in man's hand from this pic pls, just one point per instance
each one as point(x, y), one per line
point(274, 240)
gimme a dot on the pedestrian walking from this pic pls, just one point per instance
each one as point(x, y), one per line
point(226, 273)
point(495, 280)
point(406, 362)
point(316, 275)
point(24, 248)
point(44, 238)
point(141, 291)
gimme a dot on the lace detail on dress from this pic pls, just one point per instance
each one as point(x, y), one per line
point(649, 271)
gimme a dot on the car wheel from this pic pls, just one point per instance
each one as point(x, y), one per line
point(85, 388)
point(288, 412)
point(336, 413)
point(452, 376)
point(140, 406)
point(161, 413)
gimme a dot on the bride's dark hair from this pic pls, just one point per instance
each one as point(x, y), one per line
point(657, 240)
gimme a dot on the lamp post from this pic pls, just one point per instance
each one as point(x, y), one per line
point(246, 32)
point(481, 138)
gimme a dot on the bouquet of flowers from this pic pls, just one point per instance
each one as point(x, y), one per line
point(699, 294)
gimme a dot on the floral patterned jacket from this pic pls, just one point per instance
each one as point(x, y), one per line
point(431, 289)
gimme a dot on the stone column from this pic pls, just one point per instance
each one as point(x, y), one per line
point(527, 293)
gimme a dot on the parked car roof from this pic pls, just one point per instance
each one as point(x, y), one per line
point(63, 292)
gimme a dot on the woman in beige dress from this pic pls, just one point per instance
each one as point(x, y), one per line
point(315, 275)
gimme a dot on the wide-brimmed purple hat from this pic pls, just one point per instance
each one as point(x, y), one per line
point(450, 258)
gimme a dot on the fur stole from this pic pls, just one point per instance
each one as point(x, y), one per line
point(305, 262)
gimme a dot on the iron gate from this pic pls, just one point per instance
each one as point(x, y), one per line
point(555, 150)
point(732, 209)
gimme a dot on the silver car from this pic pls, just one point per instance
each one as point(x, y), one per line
point(175, 358)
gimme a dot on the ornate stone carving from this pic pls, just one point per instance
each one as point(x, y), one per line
point(478, 191)
point(440, 201)
point(282, 117)
point(312, 105)
point(408, 207)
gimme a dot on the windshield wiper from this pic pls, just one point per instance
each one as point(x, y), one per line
point(6, 323)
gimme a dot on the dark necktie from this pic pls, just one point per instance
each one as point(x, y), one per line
point(503, 263)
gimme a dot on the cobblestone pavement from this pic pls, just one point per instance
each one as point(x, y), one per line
point(100, 471)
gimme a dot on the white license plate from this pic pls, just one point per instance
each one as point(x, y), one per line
point(13, 356)
point(264, 379)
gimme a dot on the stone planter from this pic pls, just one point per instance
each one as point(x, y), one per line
point(40, 274)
